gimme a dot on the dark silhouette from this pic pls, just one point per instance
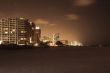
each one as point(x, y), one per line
point(59, 43)
point(43, 44)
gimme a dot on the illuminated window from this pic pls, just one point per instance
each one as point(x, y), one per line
point(21, 18)
point(22, 38)
point(5, 28)
point(36, 44)
point(0, 42)
point(37, 27)
point(23, 31)
point(6, 32)
point(13, 30)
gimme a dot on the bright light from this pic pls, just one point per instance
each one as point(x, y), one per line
point(21, 18)
point(75, 43)
point(13, 30)
point(22, 38)
point(23, 31)
point(6, 32)
point(37, 27)
point(45, 41)
point(36, 44)
point(30, 40)
point(0, 42)
point(21, 44)
point(30, 22)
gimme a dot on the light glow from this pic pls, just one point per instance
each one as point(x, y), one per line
point(30, 39)
point(21, 18)
point(37, 27)
point(0, 42)
point(6, 32)
point(36, 44)
point(76, 43)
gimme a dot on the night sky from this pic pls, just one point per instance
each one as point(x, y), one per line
point(86, 21)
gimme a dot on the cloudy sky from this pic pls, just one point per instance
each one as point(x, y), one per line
point(86, 21)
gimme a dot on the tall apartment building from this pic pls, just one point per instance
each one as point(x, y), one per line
point(15, 31)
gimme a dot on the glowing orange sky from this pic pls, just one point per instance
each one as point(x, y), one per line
point(83, 20)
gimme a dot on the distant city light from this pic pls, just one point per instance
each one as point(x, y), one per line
point(37, 27)
point(36, 44)
point(13, 30)
point(30, 22)
point(75, 43)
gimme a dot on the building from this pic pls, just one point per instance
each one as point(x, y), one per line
point(14, 31)
point(35, 34)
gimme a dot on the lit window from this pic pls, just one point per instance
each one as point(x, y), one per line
point(6, 32)
point(0, 42)
point(36, 44)
point(22, 38)
point(21, 18)
point(13, 30)
point(37, 27)
point(5, 28)
point(23, 31)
